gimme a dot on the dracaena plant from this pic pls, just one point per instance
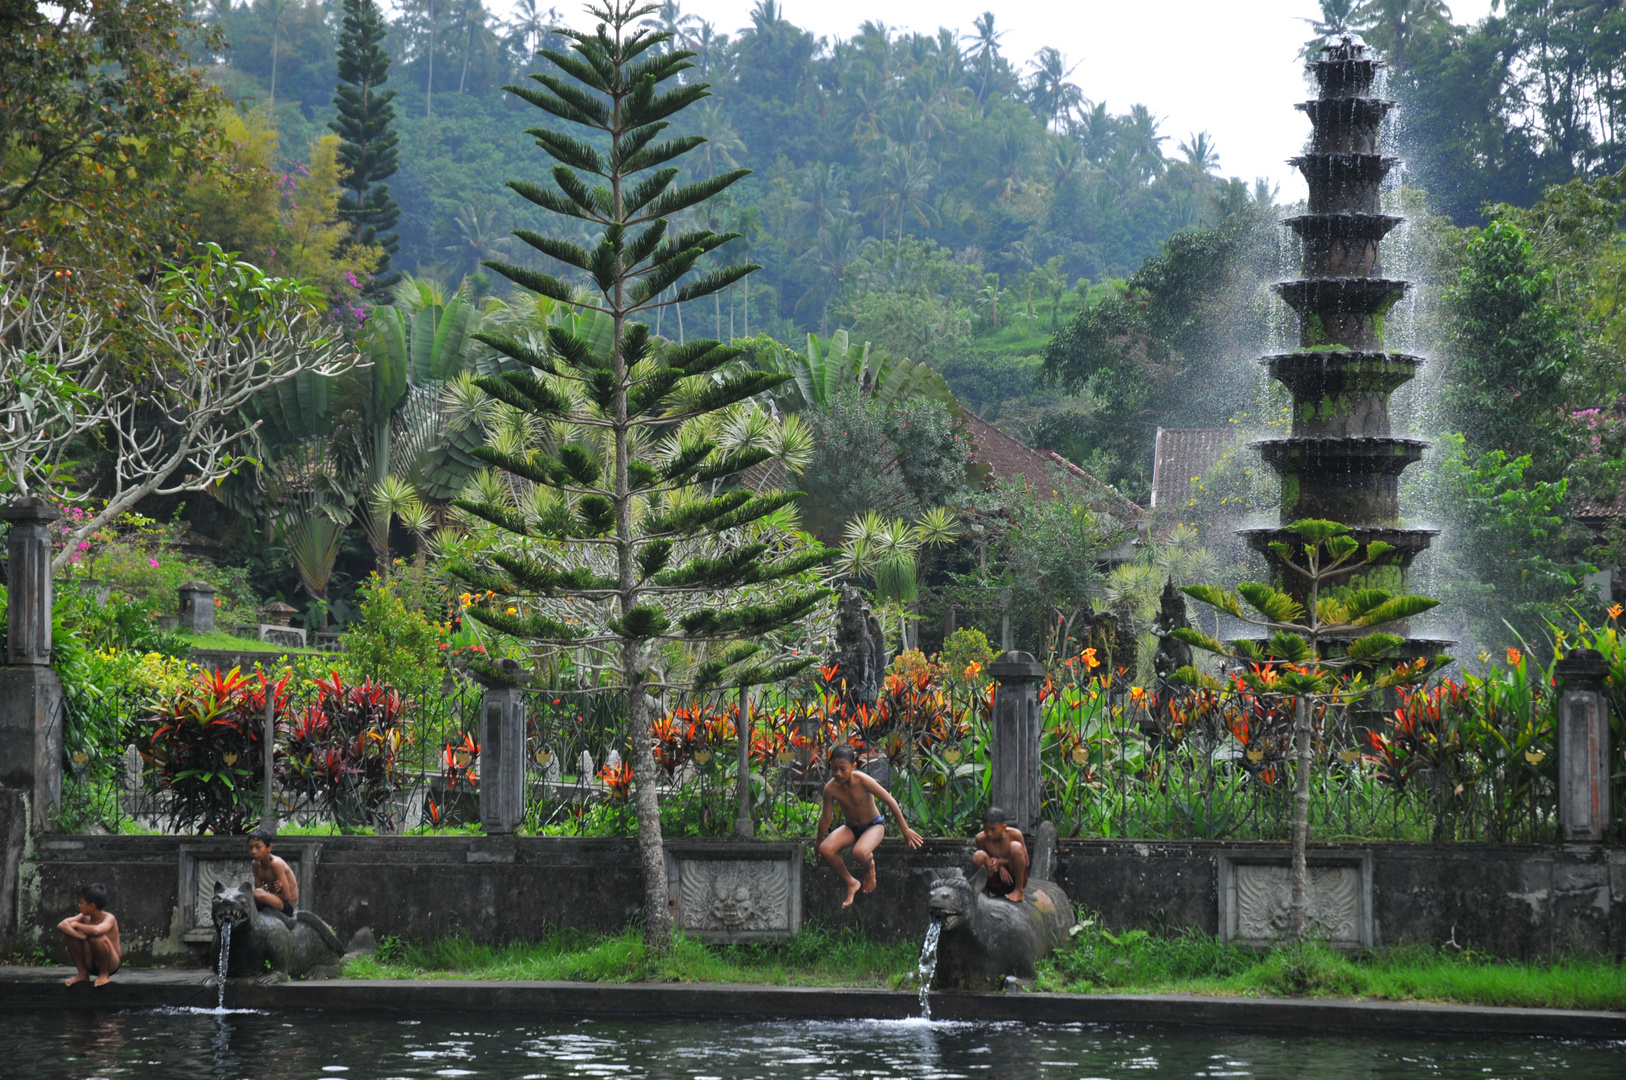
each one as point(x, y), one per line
point(1292, 662)
point(618, 497)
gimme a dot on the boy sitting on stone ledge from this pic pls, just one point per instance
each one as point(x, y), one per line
point(93, 937)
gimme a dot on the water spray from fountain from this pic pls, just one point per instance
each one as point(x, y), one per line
point(927, 967)
point(1341, 461)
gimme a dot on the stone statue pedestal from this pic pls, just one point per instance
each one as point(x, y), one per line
point(1015, 748)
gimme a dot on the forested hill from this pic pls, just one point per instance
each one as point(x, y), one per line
point(997, 159)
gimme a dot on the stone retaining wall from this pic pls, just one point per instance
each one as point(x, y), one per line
point(1507, 900)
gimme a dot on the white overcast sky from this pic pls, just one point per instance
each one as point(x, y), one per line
point(1227, 67)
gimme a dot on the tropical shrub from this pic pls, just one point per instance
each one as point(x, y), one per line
point(344, 751)
point(393, 641)
point(207, 750)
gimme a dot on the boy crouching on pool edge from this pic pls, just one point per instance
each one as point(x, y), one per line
point(93, 937)
point(863, 826)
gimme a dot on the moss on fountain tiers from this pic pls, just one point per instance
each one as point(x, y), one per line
point(1345, 311)
point(1352, 479)
point(1407, 542)
point(1339, 393)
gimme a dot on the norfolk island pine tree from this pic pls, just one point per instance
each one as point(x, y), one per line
point(631, 516)
point(367, 147)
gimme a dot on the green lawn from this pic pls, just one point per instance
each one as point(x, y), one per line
point(1093, 962)
point(221, 641)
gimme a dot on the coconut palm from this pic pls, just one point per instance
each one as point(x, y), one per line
point(1391, 26)
point(1049, 92)
point(1200, 154)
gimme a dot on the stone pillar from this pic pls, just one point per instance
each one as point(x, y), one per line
point(502, 759)
point(1583, 747)
point(1015, 750)
point(30, 694)
point(197, 607)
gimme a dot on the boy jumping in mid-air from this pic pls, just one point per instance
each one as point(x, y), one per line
point(275, 886)
point(93, 937)
point(1000, 848)
point(863, 828)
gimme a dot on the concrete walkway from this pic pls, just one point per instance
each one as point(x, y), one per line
point(40, 987)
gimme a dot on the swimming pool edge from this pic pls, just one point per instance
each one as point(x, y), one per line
point(40, 988)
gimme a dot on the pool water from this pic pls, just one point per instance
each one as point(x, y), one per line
point(200, 1045)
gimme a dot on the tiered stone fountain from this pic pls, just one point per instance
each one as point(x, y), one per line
point(1341, 462)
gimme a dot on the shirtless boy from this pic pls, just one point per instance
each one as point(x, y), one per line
point(93, 937)
point(1001, 850)
point(863, 827)
point(275, 886)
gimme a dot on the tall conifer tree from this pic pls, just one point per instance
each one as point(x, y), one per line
point(367, 147)
point(628, 515)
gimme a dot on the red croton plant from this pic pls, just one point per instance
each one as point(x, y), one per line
point(207, 749)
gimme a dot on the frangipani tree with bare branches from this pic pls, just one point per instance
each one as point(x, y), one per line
point(172, 416)
point(1295, 661)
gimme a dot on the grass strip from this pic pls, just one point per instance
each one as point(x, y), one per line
point(815, 957)
point(1191, 962)
point(1094, 961)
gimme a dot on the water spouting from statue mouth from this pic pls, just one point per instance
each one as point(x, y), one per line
point(928, 965)
point(220, 967)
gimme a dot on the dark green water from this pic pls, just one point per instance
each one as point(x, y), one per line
point(188, 1045)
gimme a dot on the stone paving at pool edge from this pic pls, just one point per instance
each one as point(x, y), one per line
point(41, 987)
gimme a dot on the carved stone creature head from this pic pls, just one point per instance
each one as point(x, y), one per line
point(234, 906)
point(953, 898)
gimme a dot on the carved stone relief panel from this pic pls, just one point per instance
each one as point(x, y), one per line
point(722, 898)
point(1256, 892)
point(203, 865)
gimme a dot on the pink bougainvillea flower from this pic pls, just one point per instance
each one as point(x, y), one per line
point(152, 563)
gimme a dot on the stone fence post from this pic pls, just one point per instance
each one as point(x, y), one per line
point(1583, 747)
point(30, 693)
point(1015, 750)
point(502, 756)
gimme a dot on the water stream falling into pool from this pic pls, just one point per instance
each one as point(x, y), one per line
point(928, 966)
point(220, 967)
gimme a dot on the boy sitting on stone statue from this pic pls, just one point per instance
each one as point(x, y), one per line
point(1001, 849)
point(275, 886)
point(863, 826)
point(93, 937)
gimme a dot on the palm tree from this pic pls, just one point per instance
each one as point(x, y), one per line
point(1096, 131)
point(670, 18)
point(722, 141)
point(1050, 94)
point(1392, 25)
point(1200, 153)
point(1139, 133)
point(899, 181)
point(1008, 157)
point(984, 54)
point(712, 52)
point(279, 8)
point(471, 18)
point(481, 234)
point(1337, 17)
point(529, 26)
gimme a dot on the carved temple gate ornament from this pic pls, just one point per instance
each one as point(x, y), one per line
point(733, 892)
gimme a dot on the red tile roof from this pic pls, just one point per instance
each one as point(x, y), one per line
point(1182, 455)
point(1009, 459)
